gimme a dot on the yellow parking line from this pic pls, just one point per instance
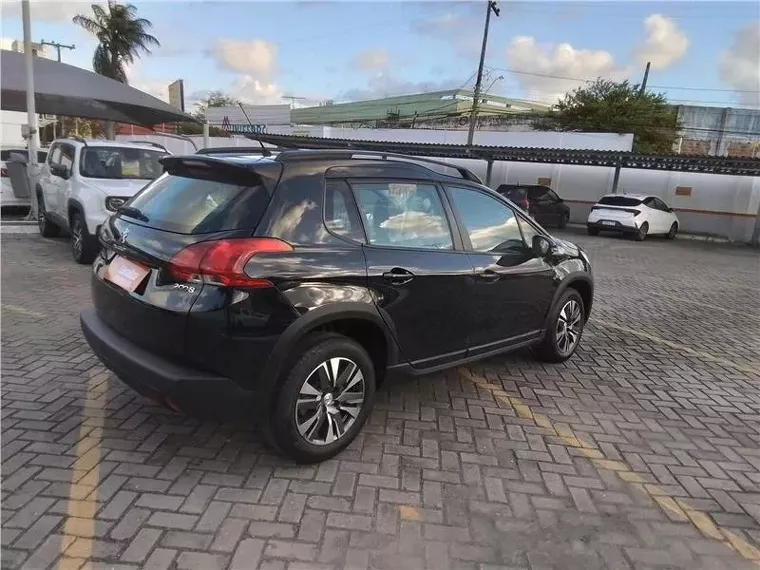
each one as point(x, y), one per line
point(676, 509)
point(751, 369)
point(22, 311)
point(79, 527)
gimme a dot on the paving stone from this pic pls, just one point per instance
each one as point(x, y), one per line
point(505, 463)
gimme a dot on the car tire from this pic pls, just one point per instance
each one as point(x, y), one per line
point(673, 231)
point(564, 329)
point(47, 228)
point(84, 247)
point(641, 235)
point(592, 231)
point(306, 413)
point(564, 220)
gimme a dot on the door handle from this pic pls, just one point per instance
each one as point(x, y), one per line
point(489, 276)
point(398, 276)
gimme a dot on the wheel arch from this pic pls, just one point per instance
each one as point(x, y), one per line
point(359, 321)
point(583, 284)
point(73, 205)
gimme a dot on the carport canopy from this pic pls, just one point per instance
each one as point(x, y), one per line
point(61, 89)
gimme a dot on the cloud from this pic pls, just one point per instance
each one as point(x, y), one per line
point(664, 45)
point(385, 84)
point(739, 67)
point(253, 57)
point(460, 30)
point(256, 92)
point(441, 24)
point(152, 86)
point(47, 10)
point(371, 60)
point(559, 61)
point(256, 63)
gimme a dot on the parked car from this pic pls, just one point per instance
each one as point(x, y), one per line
point(83, 182)
point(636, 215)
point(8, 198)
point(541, 202)
point(286, 289)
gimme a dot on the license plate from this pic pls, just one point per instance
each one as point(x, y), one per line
point(608, 223)
point(126, 274)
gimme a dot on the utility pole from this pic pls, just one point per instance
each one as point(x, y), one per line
point(643, 87)
point(33, 144)
point(58, 47)
point(473, 113)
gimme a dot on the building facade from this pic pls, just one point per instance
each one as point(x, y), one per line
point(719, 131)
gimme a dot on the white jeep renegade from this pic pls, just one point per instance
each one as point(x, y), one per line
point(84, 182)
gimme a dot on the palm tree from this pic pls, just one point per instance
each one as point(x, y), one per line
point(122, 37)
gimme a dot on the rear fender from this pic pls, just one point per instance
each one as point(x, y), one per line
point(283, 351)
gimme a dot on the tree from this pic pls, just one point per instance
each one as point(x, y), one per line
point(612, 107)
point(122, 37)
point(213, 99)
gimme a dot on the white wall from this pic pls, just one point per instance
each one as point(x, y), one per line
point(719, 204)
point(10, 128)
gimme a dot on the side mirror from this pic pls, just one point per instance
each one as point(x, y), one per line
point(541, 246)
point(60, 170)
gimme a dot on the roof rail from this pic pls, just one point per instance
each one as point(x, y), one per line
point(78, 139)
point(294, 155)
point(234, 150)
point(150, 143)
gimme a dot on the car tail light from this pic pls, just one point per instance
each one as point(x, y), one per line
point(3, 173)
point(222, 262)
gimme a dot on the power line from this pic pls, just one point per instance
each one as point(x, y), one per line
point(549, 76)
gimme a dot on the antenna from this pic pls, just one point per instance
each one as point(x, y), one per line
point(264, 150)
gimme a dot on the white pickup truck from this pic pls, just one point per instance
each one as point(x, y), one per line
point(83, 182)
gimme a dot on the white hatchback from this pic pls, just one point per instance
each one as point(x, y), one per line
point(633, 214)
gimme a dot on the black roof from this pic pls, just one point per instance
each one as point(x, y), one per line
point(250, 156)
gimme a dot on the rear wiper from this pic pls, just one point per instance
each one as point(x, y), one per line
point(131, 212)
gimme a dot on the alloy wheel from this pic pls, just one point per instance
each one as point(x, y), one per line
point(329, 401)
point(569, 327)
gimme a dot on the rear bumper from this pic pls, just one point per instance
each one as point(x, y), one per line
point(191, 391)
point(616, 227)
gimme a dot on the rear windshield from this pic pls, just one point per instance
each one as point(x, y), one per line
point(188, 205)
point(120, 163)
point(619, 201)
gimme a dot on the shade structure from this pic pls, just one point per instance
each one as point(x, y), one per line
point(61, 89)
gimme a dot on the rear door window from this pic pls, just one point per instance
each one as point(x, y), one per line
point(341, 217)
point(187, 205)
point(403, 214)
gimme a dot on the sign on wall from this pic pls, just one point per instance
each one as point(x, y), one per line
point(177, 94)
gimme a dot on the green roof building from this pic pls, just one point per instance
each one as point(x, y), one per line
point(409, 110)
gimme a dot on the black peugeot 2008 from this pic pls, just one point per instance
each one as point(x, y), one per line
point(285, 290)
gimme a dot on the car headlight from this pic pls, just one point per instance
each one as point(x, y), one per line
point(113, 203)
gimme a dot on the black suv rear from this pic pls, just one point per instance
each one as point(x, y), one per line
point(285, 290)
point(541, 202)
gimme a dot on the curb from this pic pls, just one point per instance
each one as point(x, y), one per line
point(680, 236)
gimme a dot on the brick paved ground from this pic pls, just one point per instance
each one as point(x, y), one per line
point(642, 452)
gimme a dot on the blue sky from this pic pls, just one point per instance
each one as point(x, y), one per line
point(348, 50)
